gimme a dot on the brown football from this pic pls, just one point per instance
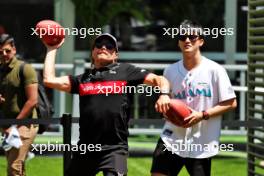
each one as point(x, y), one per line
point(178, 112)
point(50, 32)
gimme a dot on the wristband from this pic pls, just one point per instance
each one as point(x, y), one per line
point(205, 115)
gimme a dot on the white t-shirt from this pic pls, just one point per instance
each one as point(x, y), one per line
point(200, 88)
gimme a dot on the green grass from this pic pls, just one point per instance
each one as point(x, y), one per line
point(38, 166)
point(52, 166)
point(233, 138)
point(41, 139)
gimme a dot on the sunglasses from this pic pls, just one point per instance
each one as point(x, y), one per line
point(7, 51)
point(108, 45)
point(192, 38)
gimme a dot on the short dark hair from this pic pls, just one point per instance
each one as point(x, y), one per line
point(6, 38)
point(191, 25)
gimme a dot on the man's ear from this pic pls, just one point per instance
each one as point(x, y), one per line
point(201, 42)
point(116, 55)
point(14, 50)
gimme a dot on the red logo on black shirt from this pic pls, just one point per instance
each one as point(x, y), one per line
point(105, 87)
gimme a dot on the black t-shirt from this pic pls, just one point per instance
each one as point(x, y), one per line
point(104, 104)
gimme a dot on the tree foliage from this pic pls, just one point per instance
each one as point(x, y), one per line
point(97, 13)
point(206, 12)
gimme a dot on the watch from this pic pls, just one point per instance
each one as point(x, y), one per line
point(205, 115)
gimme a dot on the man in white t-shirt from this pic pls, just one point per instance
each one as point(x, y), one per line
point(205, 87)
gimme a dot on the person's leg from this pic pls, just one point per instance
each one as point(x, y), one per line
point(14, 166)
point(16, 157)
point(198, 167)
point(81, 164)
point(164, 162)
point(113, 162)
point(177, 164)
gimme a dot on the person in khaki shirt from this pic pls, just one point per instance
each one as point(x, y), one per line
point(17, 103)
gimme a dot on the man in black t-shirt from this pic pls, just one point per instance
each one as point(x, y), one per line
point(104, 105)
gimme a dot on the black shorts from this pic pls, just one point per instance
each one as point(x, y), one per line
point(114, 161)
point(167, 163)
